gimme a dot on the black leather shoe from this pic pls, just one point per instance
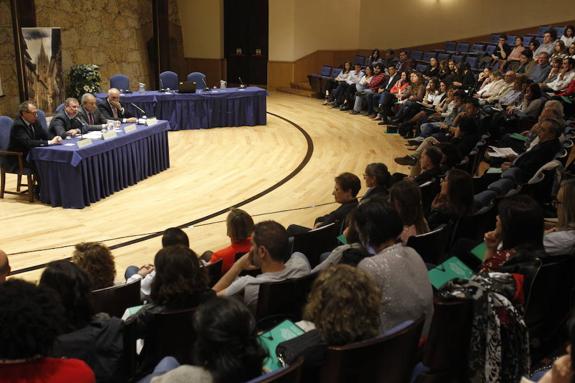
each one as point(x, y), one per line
point(406, 161)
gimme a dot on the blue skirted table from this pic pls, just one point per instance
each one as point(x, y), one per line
point(74, 177)
point(215, 108)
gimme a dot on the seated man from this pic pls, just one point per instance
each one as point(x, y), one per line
point(4, 266)
point(90, 114)
point(539, 72)
point(66, 123)
point(528, 163)
point(566, 75)
point(112, 109)
point(270, 253)
point(27, 133)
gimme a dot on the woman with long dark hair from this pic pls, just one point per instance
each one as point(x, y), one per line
point(454, 200)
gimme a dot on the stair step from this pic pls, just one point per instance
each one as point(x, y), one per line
point(299, 92)
point(301, 85)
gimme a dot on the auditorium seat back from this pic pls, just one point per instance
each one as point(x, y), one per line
point(120, 81)
point(42, 120)
point(5, 131)
point(116, 299)
point(431, 246)
point(325, 71)
point(316, 242)
point(289, 374)
point(387, 358)
point(169, 80)
point(197, 77)
point(214, 271)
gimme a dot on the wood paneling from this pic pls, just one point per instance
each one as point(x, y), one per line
point(280, 74)
point(214, 69)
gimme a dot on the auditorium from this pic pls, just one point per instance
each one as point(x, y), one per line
point(287, 191)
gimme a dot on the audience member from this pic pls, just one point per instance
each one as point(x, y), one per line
point(270, 254)
point(568, 36)
point(173, 236)
point(30, 320)
point(97, 261)
point(502, 51)
point(398, 270)
point(374, 58)
point(4, 266)
point(240, 226)
point(515, 55)
point(405, 198)
point(342, 308)
point(541, 69)
point(227, 348)
point(547, 46)
point(27, 133)
point(369, 87)
point(112, 109)
point(560, 240)
point(454, 201)
point(90, 114)
point(95, 339)
point(345, 99)
point(430, 165)
point(525, 64)
point(518, 230)
point(179, 284)
point(559, 50)
point(66, 123)
point(405, 64)
point(338, 84)
point(377, 180)
point(565, 76)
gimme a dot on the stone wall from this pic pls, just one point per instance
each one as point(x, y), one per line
point(8, 103)
point(110, 33)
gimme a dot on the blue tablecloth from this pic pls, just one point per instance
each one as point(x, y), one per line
point(74, 178)
point(218, 107)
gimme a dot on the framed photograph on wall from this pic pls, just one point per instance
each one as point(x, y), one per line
point(43, 67)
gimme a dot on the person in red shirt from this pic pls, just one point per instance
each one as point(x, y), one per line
point(30, 320)
point(240, 226)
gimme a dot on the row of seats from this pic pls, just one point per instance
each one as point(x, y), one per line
point(168, 80)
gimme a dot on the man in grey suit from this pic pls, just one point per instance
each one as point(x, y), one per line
point(90, 114)
point(112, 109)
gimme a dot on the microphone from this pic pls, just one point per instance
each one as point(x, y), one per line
point(161, 84)
point(241, 82)
point(206, 87)
point(140, 109)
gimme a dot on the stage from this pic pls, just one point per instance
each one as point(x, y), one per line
point(271, 171)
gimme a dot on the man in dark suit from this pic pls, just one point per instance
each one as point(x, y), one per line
point(27, 133)
point(90, 114)
point(112, 109)
point(66, 123)
point(383, 92)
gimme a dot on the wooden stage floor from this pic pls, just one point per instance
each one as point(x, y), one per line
point(281, 171)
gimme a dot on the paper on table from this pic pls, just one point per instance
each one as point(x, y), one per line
point(501, 152)
point(93, 135)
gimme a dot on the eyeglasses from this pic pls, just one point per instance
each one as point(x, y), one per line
point(35, 113)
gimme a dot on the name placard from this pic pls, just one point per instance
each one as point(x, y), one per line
point(83, 143)
point(151, 121)
point(130, 128)
point(109, 134)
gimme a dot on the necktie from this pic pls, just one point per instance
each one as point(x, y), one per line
point(115, 112)
point(91, 118)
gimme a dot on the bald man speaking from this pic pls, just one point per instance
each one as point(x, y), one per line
point(112, 109)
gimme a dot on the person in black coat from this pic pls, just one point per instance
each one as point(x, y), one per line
point(90, 114)
point(67, 123)
point(377, 179)
point(112, 109)
point(27, 133)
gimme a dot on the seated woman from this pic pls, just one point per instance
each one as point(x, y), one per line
point(518, 230)
point(433, 104)
point(31, 318)
point(377, 180)
point(337, 86)
point(409, 106)
point(444, 70)
point(179, 284)
point(351, 253)
point(97, 261)
point(398, 270)
point(433, 70)
point(398, 92)
point(95, 339)
point(240, 226)
point(560, 240)
point(405, 197)
point(226, 350)
point(454, 201)
point(464, 77)
point(515, 55)
point(343, 307)
point(559, 50)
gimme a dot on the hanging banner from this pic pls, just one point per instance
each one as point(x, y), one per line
point(43, 67)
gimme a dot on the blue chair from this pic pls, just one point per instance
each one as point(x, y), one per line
point(428, 56)
point(458, 59)
point(199, 78)
point(169, 80)
point(477, 48)
point(6, 167)
point(494, 39)
point(120, 81)
point(472, 61)
point(335, 72)
point(359, 59)
point(462, 47)
point(42, 120)
point(325, 71)
point(511, 40)
point(416, 55)
point(542, 29)
point(289, 374)
point(560, 31)
point(539, 39)
point(59, 108)
point(526, 40)
point(443, 57)
point(421, 68)
point(490, 49)
point(451, 46)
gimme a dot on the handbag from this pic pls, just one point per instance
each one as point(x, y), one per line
point(287, 352)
